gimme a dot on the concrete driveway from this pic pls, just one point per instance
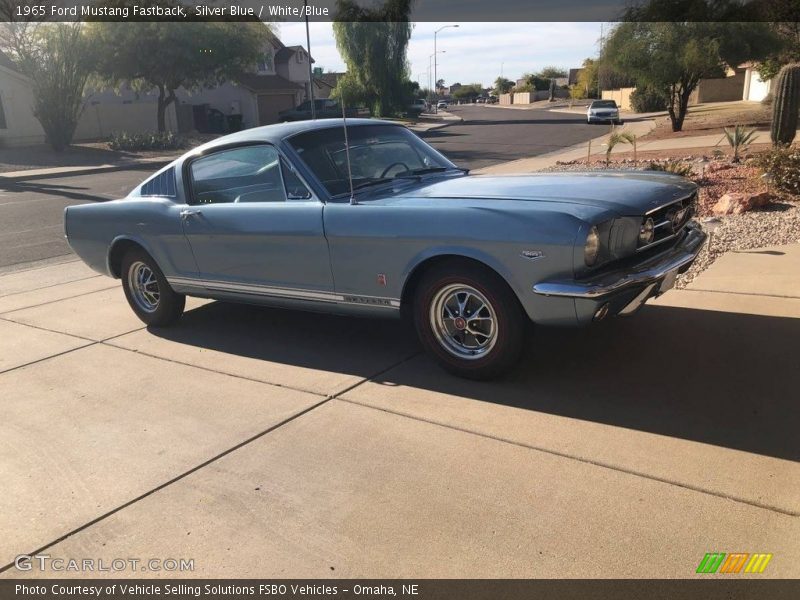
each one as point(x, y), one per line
point(268, 443)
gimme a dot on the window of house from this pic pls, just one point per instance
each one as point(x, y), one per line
point(2, 115)
point(265, 65)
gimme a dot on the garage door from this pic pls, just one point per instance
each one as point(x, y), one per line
point(758, 89)
point(269, 105)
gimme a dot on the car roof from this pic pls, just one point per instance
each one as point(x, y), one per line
point(281, 131)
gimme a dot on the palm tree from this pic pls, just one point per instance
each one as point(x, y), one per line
point(619, 137)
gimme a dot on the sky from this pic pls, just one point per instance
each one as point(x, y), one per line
point(473, 52)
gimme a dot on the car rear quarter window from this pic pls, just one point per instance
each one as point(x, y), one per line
point(162, 185)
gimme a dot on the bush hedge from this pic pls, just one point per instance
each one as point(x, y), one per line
point(783, 165)
point(648, 100)
point(151, 140)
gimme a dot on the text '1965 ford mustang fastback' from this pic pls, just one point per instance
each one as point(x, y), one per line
point(292, 215)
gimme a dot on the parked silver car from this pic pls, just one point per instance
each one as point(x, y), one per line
point(602, 111)
point(291, 215)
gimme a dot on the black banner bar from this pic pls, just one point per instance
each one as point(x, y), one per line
point(422, 10)
point(712, 588)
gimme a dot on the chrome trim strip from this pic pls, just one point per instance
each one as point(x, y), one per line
point(637, 302)
point(290, 293)
point(671, 202)
point(657, 242)
point(649, 271)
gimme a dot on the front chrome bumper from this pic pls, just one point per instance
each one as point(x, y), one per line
point(648, 272)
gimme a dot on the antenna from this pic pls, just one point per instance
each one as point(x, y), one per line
point(347, 153)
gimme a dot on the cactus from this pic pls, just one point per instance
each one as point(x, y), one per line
point(786, 105)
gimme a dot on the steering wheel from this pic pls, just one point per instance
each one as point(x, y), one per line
point(393, 165)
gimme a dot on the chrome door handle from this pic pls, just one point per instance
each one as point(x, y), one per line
point(190, 213)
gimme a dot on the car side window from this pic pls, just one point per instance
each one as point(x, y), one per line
point(238, 175)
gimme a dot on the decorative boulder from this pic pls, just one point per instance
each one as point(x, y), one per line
point(737, 203)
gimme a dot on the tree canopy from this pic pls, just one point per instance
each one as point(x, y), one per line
point(503, 85)
point(373, 43)
point(167, 56)
point(674, 56)
point(58, 59)
point(468, 92)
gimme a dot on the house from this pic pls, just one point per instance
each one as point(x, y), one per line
point(18, 126)
point(324, 83)
point(755, 90)
point(279, 81)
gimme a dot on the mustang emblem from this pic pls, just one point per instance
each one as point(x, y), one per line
point(677, 218)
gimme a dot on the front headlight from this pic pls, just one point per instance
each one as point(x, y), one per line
point(592, 247)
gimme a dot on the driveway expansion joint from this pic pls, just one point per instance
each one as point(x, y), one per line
point(595, 463)
point(213, 459)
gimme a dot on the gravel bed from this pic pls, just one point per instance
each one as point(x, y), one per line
point(774, 225)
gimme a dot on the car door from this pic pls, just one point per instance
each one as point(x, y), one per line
point(253, 226)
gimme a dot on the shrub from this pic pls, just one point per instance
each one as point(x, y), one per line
point(648, 100)
point(783, 166)
point(675, 167)
point(739, 139)
point(151, 140)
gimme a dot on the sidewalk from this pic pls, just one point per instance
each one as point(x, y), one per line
point(577, 152)
point(639, 125)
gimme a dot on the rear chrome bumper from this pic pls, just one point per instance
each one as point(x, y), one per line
point(646, 273)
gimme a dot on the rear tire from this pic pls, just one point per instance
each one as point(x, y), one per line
point(469, 320)
point(147, 290)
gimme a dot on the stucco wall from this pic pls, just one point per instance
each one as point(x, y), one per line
point(17, 97)
point(506, 98)
point(723, 89)
point(522, 98)
point(98, 121)
point(621, 96)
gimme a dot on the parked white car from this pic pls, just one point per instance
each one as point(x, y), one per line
point(441, 104)
point(602, 111)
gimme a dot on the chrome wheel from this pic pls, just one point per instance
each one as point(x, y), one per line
point(143, 285)
point(463, 321)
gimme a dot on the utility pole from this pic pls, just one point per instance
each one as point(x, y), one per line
point(599, 63)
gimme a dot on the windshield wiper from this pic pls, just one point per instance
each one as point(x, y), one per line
point(423, 171)
point(364, 184)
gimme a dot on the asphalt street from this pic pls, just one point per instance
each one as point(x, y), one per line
point(491, 135)
point(31, 212)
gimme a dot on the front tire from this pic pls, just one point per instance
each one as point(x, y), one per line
point(469, 320)
point(147, 290)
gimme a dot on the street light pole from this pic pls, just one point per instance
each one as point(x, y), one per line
point(310, 70)
point(435, 63)
point(432, 60)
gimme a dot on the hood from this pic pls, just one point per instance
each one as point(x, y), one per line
point(625, 193)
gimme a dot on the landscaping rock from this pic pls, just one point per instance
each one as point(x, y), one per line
point(737, 203)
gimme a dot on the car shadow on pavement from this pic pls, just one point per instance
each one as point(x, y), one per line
point(726, 379)
point(355, 346)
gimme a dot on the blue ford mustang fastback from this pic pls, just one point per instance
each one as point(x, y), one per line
point(381, 224)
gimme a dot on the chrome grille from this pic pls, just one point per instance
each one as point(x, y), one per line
point(670, 219)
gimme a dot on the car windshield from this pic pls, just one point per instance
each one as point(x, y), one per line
point(378, 153)
point(604, 104)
